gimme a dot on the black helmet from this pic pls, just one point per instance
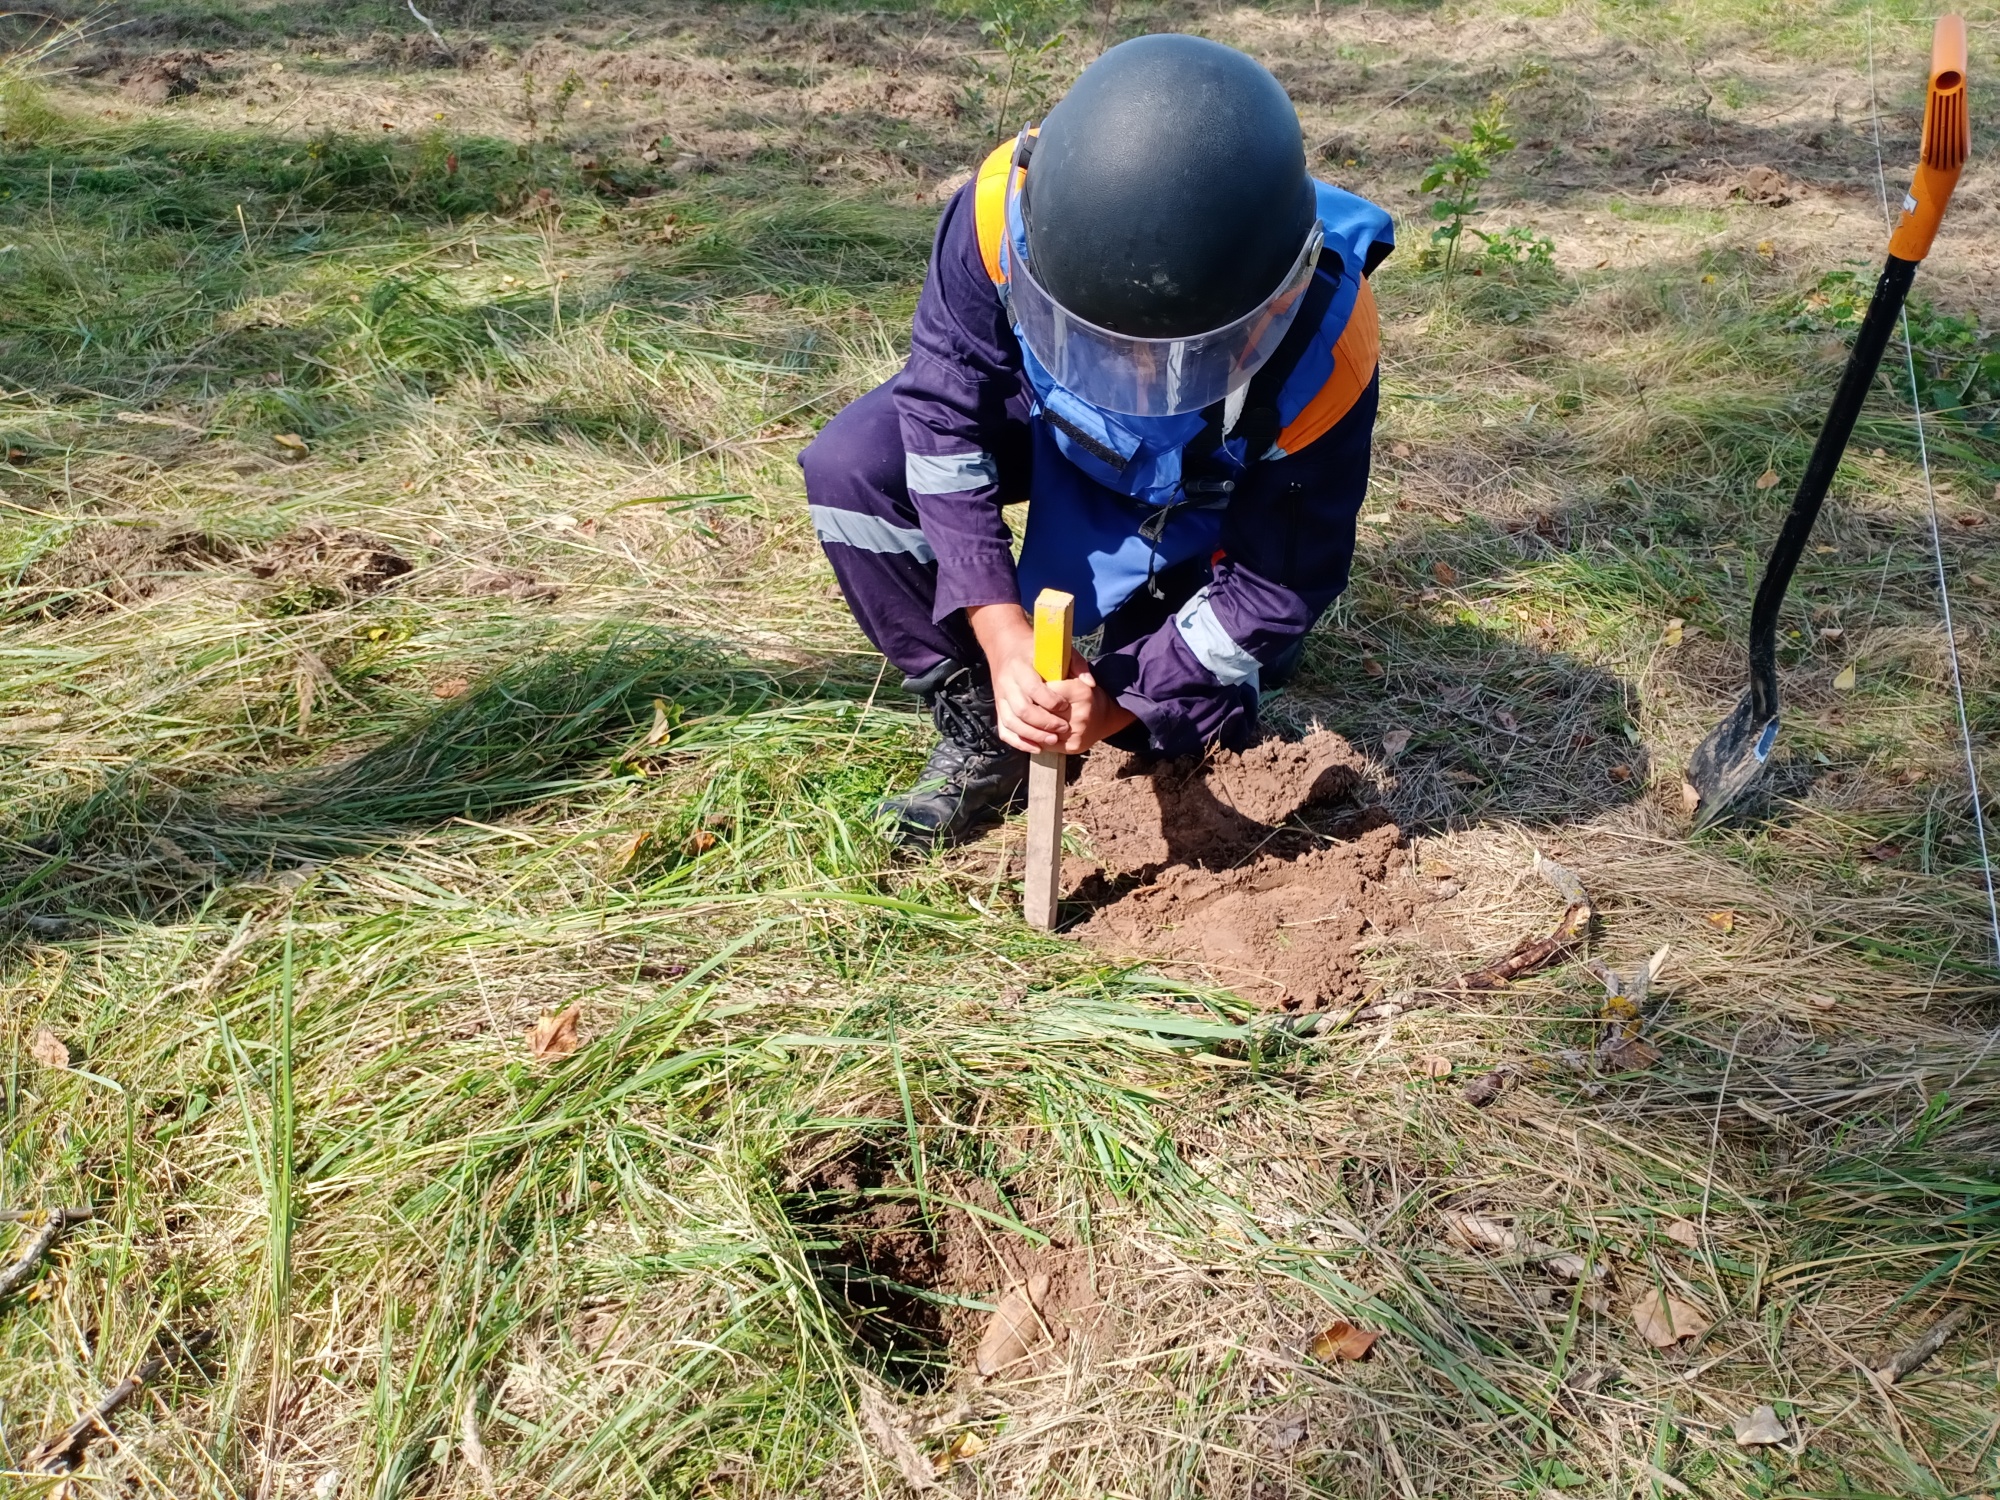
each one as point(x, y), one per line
point(1167, 195)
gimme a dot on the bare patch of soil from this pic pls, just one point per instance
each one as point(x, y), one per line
point(168, 75)
point(515, 583)
point(104, 567)
point(902, 1280)
point(1213, 863)
point(319, 567)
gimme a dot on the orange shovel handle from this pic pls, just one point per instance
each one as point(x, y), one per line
point(1947, 143)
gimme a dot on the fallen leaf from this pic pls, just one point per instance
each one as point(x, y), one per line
point(1444, 573)
point(1395, 742)
point(1724, 921)
point(1372, 667)
point(1434, 1067)
point(1014, 1328)
point(1506, 721)
point(1674, 631)
point(555, 1034)
point(47, 1049)
point(629, 849)
point(1683, 1232)
point(662, 723)
point(1821, 1002)
point(1761, 1429)
point(1477, 1232)
point(1663, 1320)
point(1844, 679)
point(701, 841)
point(965, 1445)
point(1620, 772)
point(1400, 450)
point(450, 687)
point(1768, 479)
point(1343, 1341)
point(290, 441)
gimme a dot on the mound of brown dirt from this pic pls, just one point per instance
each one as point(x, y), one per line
point(1195, 863)
point(1209, 812)
point(330, 566)
point(170, 75)
point(103, 567)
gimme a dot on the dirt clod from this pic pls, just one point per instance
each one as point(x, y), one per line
point(170, 75)
point(321, 567)
point(1214, 863)
point(104, 567)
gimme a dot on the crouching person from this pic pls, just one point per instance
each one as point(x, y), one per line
point(1147, 320)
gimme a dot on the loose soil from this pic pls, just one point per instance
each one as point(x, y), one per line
point(99, 568)
point(902, 1280)
point(320, 567)
point(1258, 867)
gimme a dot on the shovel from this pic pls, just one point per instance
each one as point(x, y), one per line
point(1732, 759)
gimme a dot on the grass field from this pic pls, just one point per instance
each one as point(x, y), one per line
point(412, 629)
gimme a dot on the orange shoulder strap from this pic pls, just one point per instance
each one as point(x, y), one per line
point(1355, 355)
point(989, 204)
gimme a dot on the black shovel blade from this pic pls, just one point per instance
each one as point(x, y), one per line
point(1731, 760)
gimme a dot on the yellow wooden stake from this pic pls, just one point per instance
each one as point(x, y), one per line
point(1054, 613)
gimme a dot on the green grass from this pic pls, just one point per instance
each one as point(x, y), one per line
point(296, 854)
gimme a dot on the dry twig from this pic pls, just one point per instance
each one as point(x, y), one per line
point(60, 1455)
point(1934, 1339)
point(56, 1220)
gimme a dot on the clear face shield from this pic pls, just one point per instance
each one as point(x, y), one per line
point(1152, 377)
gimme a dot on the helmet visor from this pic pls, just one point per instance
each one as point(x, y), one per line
point(1156, 377)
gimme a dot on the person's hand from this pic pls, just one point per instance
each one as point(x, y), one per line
point(1034, 715)
point(1037, 716)
point(1093, 713)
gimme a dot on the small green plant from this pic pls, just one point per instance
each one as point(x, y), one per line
point(1021, 30)
point(1454, 179)
point(1520, 247)
point(1958, 365)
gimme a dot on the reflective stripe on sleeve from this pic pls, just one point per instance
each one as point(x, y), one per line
point(1213, 646)
point(869, 533)
point(948, 473)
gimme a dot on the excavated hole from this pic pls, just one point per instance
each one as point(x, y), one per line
point(916, 1293)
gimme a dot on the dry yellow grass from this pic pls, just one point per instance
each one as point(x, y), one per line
point(299, 846)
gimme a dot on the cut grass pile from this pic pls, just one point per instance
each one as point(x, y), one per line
point(413, 632)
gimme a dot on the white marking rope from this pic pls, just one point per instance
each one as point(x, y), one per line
point(1937, 535)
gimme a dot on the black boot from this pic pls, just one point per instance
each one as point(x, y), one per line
point(971, 776)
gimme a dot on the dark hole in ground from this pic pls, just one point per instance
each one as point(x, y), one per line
point(878, 1264)
point(917, 1292)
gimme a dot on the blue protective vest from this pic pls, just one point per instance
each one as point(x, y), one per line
point(1108, 505)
